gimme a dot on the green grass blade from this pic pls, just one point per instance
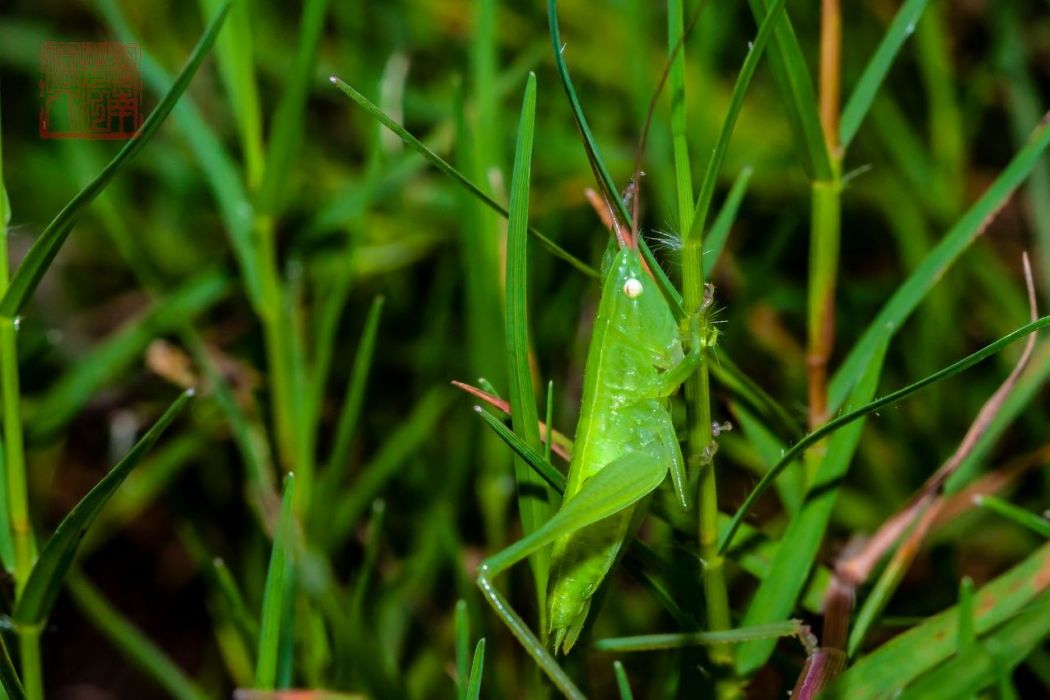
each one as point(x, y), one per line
point(1026, 109)
point(477, 670)
point(8, 675)
point(220, 171)
point(967, 634)
point(933, 267)
point(46, 247)
point(400, 446)
point(354, 397)
point(715, 240)
point(131, 642)
point(462, 625)
point(442, 165)
point(246, 623)
point(594, 156)
point(287, 128)
point(676, 93)
point(907, 656)
point(277, 592)
point(870, 81)
point(235, 58)
point(887, 400)
point(45, 581)
point(367, 569)
point(622, 684)
point(1028, 520)
point(678, 640)
point(554, 478)
point(101, 365)
point(797, 551)
point(767, 26)
point(796, 90)
point(532, 500)
point(990, 662)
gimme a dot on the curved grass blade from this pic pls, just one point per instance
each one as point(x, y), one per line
point(933, 267)
point(888, 400)
point(136, 646)
point(867, 87)
point(276, 592)
point(45, 581)
point(447, 169)
point(46, 247)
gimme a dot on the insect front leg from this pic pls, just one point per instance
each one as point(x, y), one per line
point(621, 484)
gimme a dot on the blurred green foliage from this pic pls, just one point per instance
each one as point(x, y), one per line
point(245, 246)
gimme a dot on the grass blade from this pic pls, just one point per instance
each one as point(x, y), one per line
point(443, 165)
point(1037, 524)
point(967, 634)
point(933, 267)
point(287, 127)
point(353, 398)
point(46, 247)
point(277, 592)
point(554, 478)
point(401, 445)
point(477, 669)
point(45, 581)
point(909, 655)
point(219, 169)
point(798, 548)
point(131, 642)
point(991, 661)
point(594, 156)
point(622, 684)
point(887, 400)
point(870, 81)
point(532, 497)
point(715, 241)
point(462, 624)
point(796, 90)
point(767, 26)
point(105, 362)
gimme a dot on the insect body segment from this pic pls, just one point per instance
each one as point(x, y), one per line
point(625, 413)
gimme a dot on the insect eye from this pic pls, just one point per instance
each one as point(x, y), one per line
point(632, 288)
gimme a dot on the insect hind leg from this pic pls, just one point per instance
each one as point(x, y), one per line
point(621, 484)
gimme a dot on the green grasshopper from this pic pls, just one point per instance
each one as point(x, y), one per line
point(625, 442)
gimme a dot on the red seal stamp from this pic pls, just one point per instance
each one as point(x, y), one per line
point(90, 90)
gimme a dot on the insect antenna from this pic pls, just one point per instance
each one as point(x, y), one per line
point(643, 139)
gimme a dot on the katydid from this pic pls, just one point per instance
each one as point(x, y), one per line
point(625, 444)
